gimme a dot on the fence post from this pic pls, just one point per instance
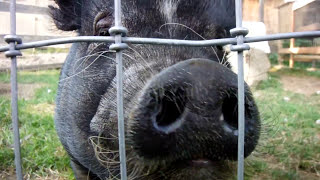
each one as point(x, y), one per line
point(240, 32)
point(118, 31)
point(261, 10)
point(12, 40)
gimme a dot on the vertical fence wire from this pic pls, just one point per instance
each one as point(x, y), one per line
point(261, 10)
point(121, 135)
point(240, 94)
point(14, 93)
point(118, 32)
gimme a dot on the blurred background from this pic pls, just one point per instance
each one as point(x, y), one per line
point(284, 76)
point(33, 24)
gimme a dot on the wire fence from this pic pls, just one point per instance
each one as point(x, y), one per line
point(118, 32)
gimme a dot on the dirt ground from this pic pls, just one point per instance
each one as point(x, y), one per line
point(31, 60)
point(303, 85)
point(25, 91)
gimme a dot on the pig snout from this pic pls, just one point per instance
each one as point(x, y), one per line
point(189, 111)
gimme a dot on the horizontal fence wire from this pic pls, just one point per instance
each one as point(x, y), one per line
point(157, 41)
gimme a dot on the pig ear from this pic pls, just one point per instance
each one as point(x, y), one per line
point(67, 15)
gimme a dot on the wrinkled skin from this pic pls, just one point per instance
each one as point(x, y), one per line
point(180, 103)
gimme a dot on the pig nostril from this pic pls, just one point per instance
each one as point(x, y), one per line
point(169, 114)
point(230, 112)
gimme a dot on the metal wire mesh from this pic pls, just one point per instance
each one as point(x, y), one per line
point(238, 44)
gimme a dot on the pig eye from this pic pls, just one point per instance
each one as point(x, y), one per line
point(102, 22)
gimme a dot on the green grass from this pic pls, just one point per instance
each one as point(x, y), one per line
point(290, 146)
point(40, 147)
point(29, 77)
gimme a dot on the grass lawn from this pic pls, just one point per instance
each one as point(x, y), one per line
point(289, 147)
point(42, 153)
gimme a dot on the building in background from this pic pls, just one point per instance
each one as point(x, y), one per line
point(297, 16)
point(33, 24)
point(33, 21)
point(278, 16)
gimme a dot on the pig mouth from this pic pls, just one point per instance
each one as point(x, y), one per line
point(195, 162)
point(200, 162)
point(199, 168)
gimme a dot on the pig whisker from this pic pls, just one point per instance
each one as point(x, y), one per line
point(95, 46)
point(144, 60)
point(223, 59)
point(134, 174)
point(110, 159)
point(164, 174)
point(170, 172)
point(85, 57)
point(84, 69)
point(182, 26)
point(193, 32)
point(136, 64)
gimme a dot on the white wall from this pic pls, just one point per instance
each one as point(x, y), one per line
point(31, 24)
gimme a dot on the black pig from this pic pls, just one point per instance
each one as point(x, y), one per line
point(180, 103)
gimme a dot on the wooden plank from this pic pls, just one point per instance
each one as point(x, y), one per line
point(35, 67)
point(300, 58)
point(312, 57)
point(285, 18)
point(292, 40)
point(300, 50)
point(306, 58)
point(303, 60)
point(310, 27)
point(291, 61)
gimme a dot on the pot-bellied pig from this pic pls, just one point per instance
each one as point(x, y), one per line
point(180, 103)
